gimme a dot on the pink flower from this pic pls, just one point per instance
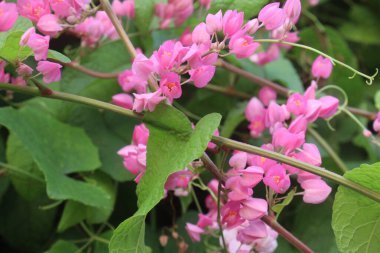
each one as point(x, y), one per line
point(202, 75)
point(24, 70)
point(194, 232)
point(367, 133)
point(185, 38)
point(296, 104)
point(49, 25)
point(205, 3)
point(134, 159)
point(232, 22)
point(298, 125)
point(251, 176)
point(310, 154)
point(4, 77)
point(238, 160)
point(211, 145)
point(242, 46)
point(260, 161)
point(230, 214)
point(170, 86)
point(256, 230)
point(253, 109)
point(253, 208)
point(275, 114)
point(313, 109)
point(256, 126)
point(19, 81)
point(123, 100)
point(214, 23)
point(179, 182)
point(292, 9)
point(266, 95)
point(204, 221)
point(200, 35)
point(25, 37)
point(33, 9)
point(321, 68)
point(287, 141)
point(140, 135)
point(50, 71)
point(268, 243)
point(39, 45)
point(329, 106)
point(142, 67)
point(238, 191)
point(8, 16)
point(270, 55)
point(376, 123)
point(272, 16)
point(147, 101)
point(313, 2)
point(129, 81)
point(277, 179)
point(127, 8)
point(316, 191)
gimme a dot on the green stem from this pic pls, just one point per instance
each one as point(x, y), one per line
point(195, 200)
point(221, 141)
point(328, 149)
point(369, 80)
point(219, 218)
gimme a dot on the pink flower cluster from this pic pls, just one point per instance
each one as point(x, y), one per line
point(279, 21)
point(39, 44)
point(7, 78)
point(176, 10)
point(194, 56)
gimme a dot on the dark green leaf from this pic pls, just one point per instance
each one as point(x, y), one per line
point(62, 246)
point(356, 218)
point(250, 8)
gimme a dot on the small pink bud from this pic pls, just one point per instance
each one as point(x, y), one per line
point(49, 25)
point(140, 135)
point(205, 3)
point(232, 22)
point(270, 55)
point(313, 2)
point(283, 138)
point(316, 191)
point(163, 240)
point(123, 100)
point(185, 38)
point(272, 16)
point(251, 26)
point(292, 9)
point(322, 67)
point(367, 133)
point(200, 35)
point(8, 16)
point(275, 113)
point(376, 123)
point(238, 160)
point(255, 231)
point(202, 76)
point(329, 106)
point(242, 46)
point(266, 95)
point(214, 23)
point(25, 37)
point(298, 125)
point(253, 109)
point(24, 70)
point(194, 232)
point(313, 109)
point(50, 71)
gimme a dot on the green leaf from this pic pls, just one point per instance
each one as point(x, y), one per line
point(288, 199)
point(52, 54)
point(377, 100)
point(250, 8)
point(58, 149)
point(75, 212)
point(18, 156)
point(356, 218)
point(144, 14)
point(282, 70)
point(10, 49)
point(62, 246)
point(233, 120)
point(23, 225)
point(172, 145)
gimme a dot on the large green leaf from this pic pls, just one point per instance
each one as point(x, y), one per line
point(356, 218)
point(250, 8)
point(10, 49)
point(62, 246)
point(172, 145)
point(144, 14)
point(58, 149)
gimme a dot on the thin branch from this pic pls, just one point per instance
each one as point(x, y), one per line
point(286, 234)
point(124, 37)
point(280, 89)
point(221, 141)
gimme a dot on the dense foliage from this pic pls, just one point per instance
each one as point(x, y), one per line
point(189, 126)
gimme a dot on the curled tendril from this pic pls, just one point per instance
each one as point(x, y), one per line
point(372, 78)
point(352, 77)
